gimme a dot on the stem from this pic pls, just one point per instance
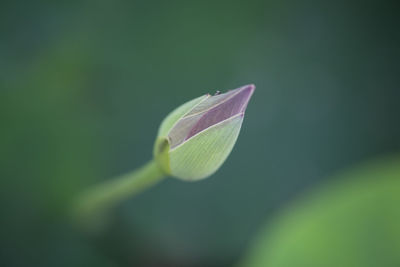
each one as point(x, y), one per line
point(94, 202)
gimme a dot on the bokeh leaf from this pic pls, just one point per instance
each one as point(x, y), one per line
point(353, 221)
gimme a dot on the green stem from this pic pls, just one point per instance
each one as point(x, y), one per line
point(93, 203)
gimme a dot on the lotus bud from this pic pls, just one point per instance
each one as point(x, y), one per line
point(195, 139)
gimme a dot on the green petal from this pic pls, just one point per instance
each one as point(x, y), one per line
point(202, 155)
point(161, 156)
point(178, 113)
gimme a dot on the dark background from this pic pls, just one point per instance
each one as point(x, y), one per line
point(84, 86)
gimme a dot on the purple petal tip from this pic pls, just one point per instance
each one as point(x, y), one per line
point(234, 103)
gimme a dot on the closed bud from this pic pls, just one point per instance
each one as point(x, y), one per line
point(195, 139)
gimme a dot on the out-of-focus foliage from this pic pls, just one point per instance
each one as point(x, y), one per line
point(352, 222)
point(84, 86)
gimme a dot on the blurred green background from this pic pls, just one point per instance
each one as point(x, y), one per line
point(85, 84)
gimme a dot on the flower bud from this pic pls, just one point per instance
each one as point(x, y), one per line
point(195, 139)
